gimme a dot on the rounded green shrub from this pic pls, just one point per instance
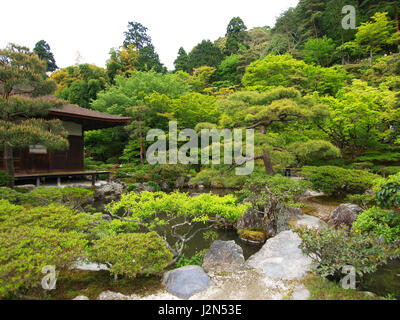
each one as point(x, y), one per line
point(5, 178)
point(25, 251)
point(379, 223)
point(339, 181)
point(131, 254)
point(388, 192)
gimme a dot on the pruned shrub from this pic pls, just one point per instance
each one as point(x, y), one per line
point(338, 181)
point(54, 216)
point(5, 178)
point(12, 195)
point(131, 254)
point(25, 251)
point(388, 192)
point(379, 223)
point(332, 249)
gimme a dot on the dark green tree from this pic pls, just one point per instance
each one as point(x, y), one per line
point(42, 49)
point(205, 54)
point(235, 35)
point(182, 61)
point(148, 57)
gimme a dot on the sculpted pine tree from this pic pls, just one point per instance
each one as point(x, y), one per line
point(262, 110)
point(22, 123)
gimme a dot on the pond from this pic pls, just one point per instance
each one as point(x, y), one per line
point(386, 280)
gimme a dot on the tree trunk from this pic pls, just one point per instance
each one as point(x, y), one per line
point(288, 39)
point(268, 163)
point(9, 162)
point(141, 141)
point(315, 29)
point(263, 129)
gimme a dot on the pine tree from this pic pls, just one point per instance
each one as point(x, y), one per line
point(22, 83)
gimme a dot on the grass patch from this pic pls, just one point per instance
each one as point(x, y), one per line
point(323, 289)
point(91, 283)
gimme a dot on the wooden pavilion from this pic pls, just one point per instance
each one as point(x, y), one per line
point(36, 162)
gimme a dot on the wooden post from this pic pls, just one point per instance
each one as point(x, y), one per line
point(38, 182)
point(93, 179)
point(109, 177)
point(59, 182)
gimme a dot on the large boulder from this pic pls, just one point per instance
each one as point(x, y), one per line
point(180, 182)
point(110, 191)
point(224, 256)
point(344, 215)
point(281, 258)
point(252, 219)
point(186, 281)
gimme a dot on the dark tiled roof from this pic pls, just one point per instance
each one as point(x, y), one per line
point(79, 112)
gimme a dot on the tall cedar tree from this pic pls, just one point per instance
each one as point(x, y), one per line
point(42, 49)
point(22, 83)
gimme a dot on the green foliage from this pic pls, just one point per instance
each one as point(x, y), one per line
point(319, 51)
point(379, 223)
point(195, 260)
point(5, 178)
point(205, 54)
point(148, 206)
point(286, 71)
point(80, 84)
point(338, 181)
point(11, 195)
point(54, 216)
point(70, 196)
point(284, 189)
point(388, 192)
point(364, 201)
point(131, 254)
point(42, 49)
point(25, 251)
point(314, 150)
point(332, 249)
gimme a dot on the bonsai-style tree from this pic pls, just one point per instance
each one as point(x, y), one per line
point(22, 83)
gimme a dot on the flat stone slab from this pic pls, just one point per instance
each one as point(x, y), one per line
point(281, 258)
point(186, 281)
point(89, 266)
point(301, 293)
point(309, 221)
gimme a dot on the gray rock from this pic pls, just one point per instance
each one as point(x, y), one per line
point(310, 222)
point(89, 266)
point(109, 295)
point(180, 182)
point(301, 293)
point(224, 256)
point(311, 193)
point(110, 191)
point(27, 186)
point(81, 298)
point(186, 281)
point(281, 258)
point(344, 215)
point(250, 220)
point(165, 186)
point(148, 188)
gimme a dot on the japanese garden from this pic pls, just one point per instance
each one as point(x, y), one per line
point(85, 214)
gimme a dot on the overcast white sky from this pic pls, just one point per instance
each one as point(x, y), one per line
point(92, 27)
